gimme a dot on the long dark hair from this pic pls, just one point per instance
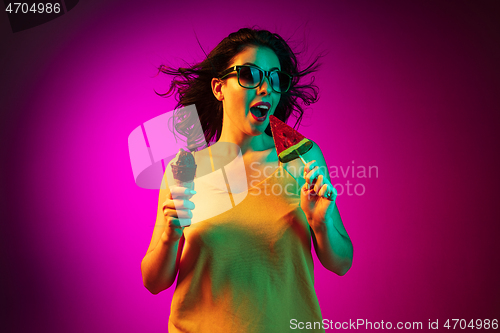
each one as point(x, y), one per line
point(192, 85)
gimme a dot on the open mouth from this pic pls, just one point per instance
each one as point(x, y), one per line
point(259, 112)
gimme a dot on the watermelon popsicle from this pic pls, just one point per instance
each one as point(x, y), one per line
point(289, 143)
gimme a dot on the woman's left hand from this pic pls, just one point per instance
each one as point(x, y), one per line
point(317, 197)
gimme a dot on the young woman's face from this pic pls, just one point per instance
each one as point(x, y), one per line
point(245, 109)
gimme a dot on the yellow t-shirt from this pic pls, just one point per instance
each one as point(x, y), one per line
point(250, 268)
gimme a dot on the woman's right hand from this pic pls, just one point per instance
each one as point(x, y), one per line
point(177, 211)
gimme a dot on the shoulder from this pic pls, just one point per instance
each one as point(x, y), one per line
point(315, 153)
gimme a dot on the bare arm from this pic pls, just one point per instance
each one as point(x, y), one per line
point(331, 241)
point(160, 264)
point(333, 247)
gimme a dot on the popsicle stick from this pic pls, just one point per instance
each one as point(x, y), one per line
point(301, 158)
point(328, 193)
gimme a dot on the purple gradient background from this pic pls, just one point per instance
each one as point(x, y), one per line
point(412, 88)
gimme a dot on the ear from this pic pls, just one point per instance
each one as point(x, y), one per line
point(217, 89)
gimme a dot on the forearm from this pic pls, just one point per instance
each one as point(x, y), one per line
point(159, 266)
point(334, 250)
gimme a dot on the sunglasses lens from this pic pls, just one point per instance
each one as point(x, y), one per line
point(280, 81)
point(250, 77)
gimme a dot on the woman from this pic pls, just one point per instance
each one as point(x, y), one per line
point(249, 269)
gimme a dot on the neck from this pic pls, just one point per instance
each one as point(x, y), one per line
point(247, 143)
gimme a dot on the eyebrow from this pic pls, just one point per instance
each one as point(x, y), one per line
point(272, 69)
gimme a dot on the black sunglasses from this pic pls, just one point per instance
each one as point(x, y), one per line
point(251, 77)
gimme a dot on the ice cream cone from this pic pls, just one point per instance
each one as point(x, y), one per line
point(189, 185)
point(184, 169)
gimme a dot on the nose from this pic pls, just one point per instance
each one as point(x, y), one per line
point(265, 87)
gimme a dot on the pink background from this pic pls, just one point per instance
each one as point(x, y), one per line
point(409, 87)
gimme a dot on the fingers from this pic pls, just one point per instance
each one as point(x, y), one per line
point(178, 208)
point(182, 211)
point(178, 213)
point(178, 204)
point(177, 218)
point(318, 187)
point(309, 166)
point(179, 192)
point(327, 191)
point(332, 195)
point(179, 224)
point(323, 191)
point(317, 183)
point(173, 222)
point(311, 172)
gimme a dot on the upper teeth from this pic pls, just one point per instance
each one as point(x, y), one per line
point(263, 107)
